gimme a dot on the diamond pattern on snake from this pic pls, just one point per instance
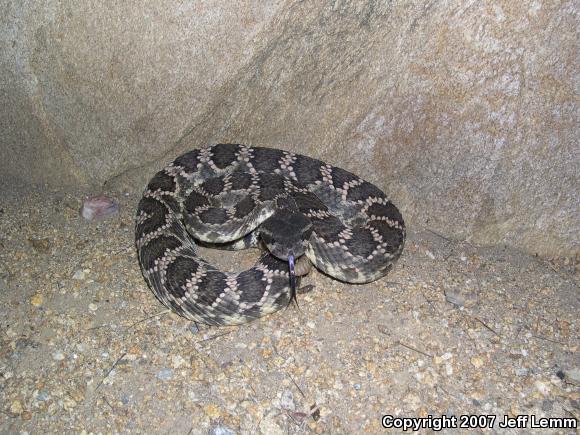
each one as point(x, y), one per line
point(303, 213)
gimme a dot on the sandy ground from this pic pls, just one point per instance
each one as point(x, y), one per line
point(454, 330)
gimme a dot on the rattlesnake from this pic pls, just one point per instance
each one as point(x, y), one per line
point(234, 196)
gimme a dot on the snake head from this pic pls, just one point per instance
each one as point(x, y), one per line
point(286, 233)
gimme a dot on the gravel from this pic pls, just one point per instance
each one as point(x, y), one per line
point(454, 329)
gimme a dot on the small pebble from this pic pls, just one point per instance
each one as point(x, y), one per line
point(36, 300)
point(93, 307)
point(212, 411)
point(476, 361)
point(543, 388)
point(40, 245)
point(221, 430)
point(177, 361)
point(80, 274)
point(16, 407)
point(448, 369)
point(573, 375)
point(164, 374)
point(99, 207)
point(455, 299)
point(42, 396)
point(58, 356)
point(287, 400)
point(269, 425)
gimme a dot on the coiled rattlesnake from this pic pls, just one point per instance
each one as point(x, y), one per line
point(234, 196)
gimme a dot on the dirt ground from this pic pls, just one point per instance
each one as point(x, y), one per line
point(454, 330)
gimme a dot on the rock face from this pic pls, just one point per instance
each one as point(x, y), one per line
point(464, 112)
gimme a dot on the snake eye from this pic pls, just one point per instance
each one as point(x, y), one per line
point(266, 238)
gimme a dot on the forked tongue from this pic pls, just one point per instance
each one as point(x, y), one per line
point(292, 277)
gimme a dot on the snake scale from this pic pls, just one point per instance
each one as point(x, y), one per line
point(300, 210)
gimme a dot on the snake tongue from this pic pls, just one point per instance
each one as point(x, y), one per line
point(292, 277)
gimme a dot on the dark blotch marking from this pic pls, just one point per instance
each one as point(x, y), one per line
point(178, 272)
point(240, 180)
point(266, 158)
point(362, 192)
point(308, 202)
point(194, 200)
point(244, 207)
point(157, 212)
point(252, 281)
point(157, 248)
point(188, 161)
point(393, 237)
point(211, 286)
point(214, 216)
point(171, 203)
point(214, 186)
point(307, 170)
point(388, 210)
point(267, 194)
point(224, 154)
point(362, 242)
point(228, 305)
point(340, 177)
point(272, 181)
point(271, 185)
point(162, 181)
point(284, 298)
point(327, 228)
point(287, 203)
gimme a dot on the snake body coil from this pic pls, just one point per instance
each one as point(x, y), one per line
point(235, 196)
